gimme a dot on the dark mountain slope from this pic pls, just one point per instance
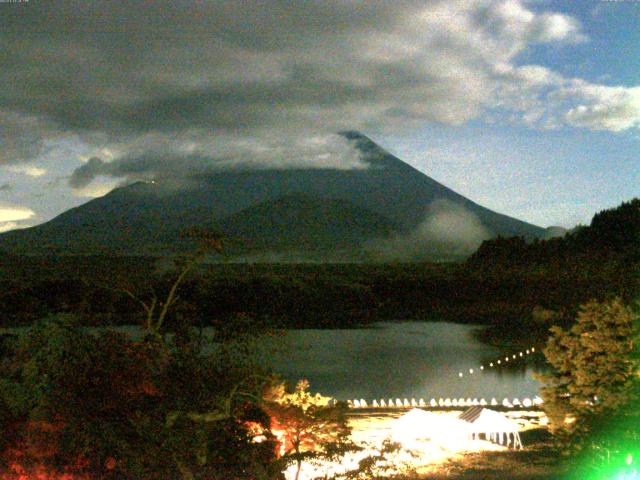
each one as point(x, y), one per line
point(146, 218)
point(299, 222)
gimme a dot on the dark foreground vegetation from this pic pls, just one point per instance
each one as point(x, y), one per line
point(78, 405)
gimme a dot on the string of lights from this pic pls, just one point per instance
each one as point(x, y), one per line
point(499, 362)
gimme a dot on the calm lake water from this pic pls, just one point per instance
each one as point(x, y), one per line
point(401, 359)
point(396, 359)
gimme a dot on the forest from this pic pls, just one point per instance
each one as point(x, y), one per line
point(508, 284)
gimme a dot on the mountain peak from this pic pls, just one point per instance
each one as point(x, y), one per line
point(353, 135)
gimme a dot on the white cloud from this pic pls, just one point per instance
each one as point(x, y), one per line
point(447, 228)
point(546, 99)
point(604, 108)
point(28, 170)
point(555, 27)
point(193, 153)
point(94, 190)
point(12, 214)
point(6, 226)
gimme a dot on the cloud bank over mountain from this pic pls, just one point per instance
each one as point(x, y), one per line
point(173, 162)
point(115, 74)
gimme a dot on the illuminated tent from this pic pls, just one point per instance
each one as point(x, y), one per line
point(495, 426)
point(418, 425)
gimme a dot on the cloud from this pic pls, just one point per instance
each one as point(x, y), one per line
point(195, 155)
point(95, 190)
point(192, 75)
point(12, 217)
point(448, 229)
point(6, 226)
point(28, 170)
point(604, 108)
point(214, 65)
point(547, 99)
point(10, 213)
point(21, 136)
point(84, 175)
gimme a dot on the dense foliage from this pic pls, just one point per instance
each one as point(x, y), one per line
point(592, 394)
point(612, 236)
point(100, 403)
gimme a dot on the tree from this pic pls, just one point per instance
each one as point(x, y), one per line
point(595, 378)
point(155, 308)
point(307, 426)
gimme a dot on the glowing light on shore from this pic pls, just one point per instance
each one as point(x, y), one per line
point(444, 403)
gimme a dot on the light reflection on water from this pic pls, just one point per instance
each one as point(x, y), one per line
point(406, 359)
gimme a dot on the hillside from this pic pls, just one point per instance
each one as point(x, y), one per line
point(298, 222)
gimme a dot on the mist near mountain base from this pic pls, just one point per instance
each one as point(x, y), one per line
point(449, 230)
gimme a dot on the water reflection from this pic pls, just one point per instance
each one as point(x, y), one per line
point(408, 359)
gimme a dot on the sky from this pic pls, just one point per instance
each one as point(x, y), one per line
point(530, 108)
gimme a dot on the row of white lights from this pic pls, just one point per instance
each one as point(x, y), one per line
point(500, 361)
point(444, 402)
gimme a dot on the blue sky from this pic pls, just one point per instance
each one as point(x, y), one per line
point(530, 108)
point(547, 177)
point(558, 177)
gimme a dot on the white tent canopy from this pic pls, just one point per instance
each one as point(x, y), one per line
point(495, 426)
point(417, 425)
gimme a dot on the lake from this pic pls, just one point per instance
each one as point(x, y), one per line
point(395, 360)
point(401, 359)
